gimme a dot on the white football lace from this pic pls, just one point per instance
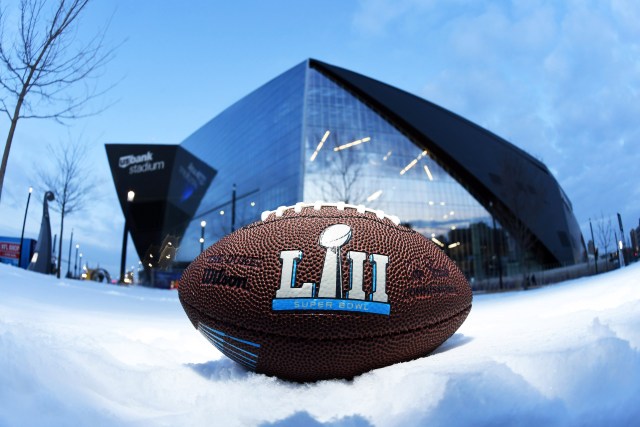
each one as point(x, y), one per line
point(297, 208)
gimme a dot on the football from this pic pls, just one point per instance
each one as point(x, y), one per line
point(319, 291)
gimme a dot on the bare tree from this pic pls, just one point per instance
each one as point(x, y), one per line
point(71, 182)
point(604, 233)
point(42, 69)
point(341, 182)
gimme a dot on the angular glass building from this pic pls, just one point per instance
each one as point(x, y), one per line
point(320, 132)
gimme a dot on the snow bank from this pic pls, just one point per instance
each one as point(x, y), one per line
point(80, 353)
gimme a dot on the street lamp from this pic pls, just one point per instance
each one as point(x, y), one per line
point(75, 266)
point(233, 209)
point(595, 250)
point(81, 269)
point(621, 242)
point(203, 224)
point(69, 258)
point(130, 196)
point(24, 222)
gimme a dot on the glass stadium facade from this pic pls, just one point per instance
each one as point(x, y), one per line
point(384, 169)
point(318, 132)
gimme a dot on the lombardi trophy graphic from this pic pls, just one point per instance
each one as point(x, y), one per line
point(333, 238)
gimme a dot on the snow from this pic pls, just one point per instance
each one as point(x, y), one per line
point(81, 353)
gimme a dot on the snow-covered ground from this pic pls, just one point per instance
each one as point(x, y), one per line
point(86, 354)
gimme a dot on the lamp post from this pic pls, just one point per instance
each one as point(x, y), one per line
point(233, 209)
point(621, 242)
point(130, 196)
point(203, 224)
point(233, 201)
point(81, 270)
point(595, 250)
point(75, 265)
point(54, 259)
point(69, 258)
point(24, 222)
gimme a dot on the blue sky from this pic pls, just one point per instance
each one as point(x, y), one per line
point(559, 79)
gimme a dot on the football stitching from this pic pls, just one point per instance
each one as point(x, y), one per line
point(341, 206)
point(289, 218)
point(333, 216)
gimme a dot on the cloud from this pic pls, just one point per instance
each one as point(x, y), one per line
point(558, 79)
point(375, 17)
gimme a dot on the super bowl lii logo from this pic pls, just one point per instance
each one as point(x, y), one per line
point(328, 295)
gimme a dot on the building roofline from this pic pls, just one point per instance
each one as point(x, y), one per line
point(480, 167)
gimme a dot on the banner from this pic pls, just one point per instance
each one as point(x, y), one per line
point(10, 251)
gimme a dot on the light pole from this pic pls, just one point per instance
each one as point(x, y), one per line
point(595, 250)
point(81, 270)
point(233, 201)
point(203, 224)
point(233, 209)
point(53, 255)
point(75, 265)
point(69, 259)
point(621, 242)
point(24, 222)
point(130, 196)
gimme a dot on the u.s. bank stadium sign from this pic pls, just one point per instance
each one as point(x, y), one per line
point(140, 163)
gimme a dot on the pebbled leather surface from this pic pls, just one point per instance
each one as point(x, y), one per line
point(232, 284)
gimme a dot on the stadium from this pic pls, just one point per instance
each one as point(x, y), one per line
point(321, 132)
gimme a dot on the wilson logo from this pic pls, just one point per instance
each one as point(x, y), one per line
point(220, 277)
point(328, 294)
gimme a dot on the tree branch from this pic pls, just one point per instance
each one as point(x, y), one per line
point(41, 65)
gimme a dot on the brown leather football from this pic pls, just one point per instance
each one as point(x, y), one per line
point(317, 291)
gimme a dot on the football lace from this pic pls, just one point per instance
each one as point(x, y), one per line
point(340, 206)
